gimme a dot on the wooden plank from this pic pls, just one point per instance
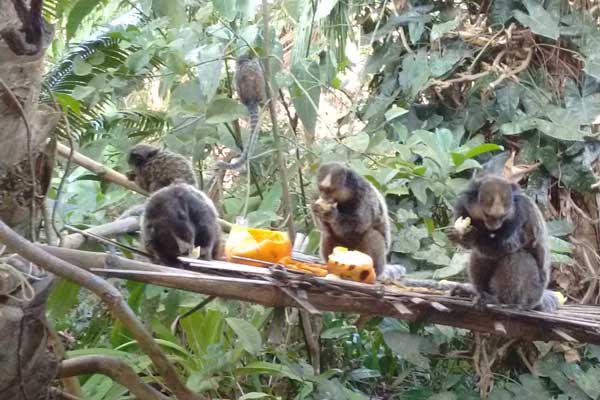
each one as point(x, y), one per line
point(529, 325)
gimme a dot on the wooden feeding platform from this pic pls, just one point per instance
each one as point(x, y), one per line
point(276, 286)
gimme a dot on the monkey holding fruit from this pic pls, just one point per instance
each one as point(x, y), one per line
point(352, 213)
point(506, 232)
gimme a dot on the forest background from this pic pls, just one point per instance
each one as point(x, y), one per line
point(414, 96)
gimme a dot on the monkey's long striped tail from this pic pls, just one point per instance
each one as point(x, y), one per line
point(253, 111)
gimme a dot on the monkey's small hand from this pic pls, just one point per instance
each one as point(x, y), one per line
point(324, 209)
point(464, 238)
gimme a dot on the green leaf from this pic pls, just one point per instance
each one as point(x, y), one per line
point(139, 60)
point(358, 143)
point(539, 20)
point(531, 388)
point(80, 67)
point(415, 73)
point(408, 240)
point(306, 92)
point(439, 30)
point(80, 10)
point(267, 368)
point(224, 110)
point(559, 227)
point(67, 102)
point(458, 264)
point(62, 298)
point(337, 332)
point(434, 255)
point(394, 112)
point(419, 188)
point(560, 246)
point(410, 347)
point(82, 92)
point(174, 9)
point(249, 336)
point(501, 11)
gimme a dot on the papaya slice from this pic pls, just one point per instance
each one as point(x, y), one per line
point(259, 244)
point(315, 269)
point(351, 264)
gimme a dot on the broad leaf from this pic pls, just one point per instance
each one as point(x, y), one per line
point(539, 20)
point(247, 333)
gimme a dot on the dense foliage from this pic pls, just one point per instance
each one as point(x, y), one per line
point(423, 93)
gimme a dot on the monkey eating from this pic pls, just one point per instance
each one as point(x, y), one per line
point(352, 213)
point(153, 168)
point(250, 85)
point(177, 220)
point(506, 233)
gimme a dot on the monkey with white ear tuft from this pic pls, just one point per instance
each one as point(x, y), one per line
point(153, 168)
point(352, 213)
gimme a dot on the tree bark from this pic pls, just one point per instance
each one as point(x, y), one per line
point(29, 361)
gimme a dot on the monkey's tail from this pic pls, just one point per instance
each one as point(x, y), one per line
point(550, 302)
point(253, 111)
point(394, 272)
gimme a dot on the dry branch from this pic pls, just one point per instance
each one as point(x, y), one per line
point(105, 173)
point(115, 368)
point(111, 297)
point(110, 175)
point(287, 198)
point(129, 224)
point(341, 296)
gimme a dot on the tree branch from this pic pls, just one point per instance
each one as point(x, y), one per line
point(110, 175)
point(115, 368)
point(287, 198)
point(111, 297)
point(111, 229)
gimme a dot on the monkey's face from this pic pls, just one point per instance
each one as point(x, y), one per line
point(495, 199)
point(332, 183)
point(140, 153)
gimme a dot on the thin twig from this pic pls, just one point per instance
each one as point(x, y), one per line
point(109, 295)
point(287, 198)
point(115, 368)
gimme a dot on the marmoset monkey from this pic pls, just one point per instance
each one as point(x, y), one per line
point(510, 258)
point(352, 213)
point(177, 220)
point(250, 83)
point(153, 168)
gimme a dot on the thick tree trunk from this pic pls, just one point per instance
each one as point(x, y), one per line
point(28, 362)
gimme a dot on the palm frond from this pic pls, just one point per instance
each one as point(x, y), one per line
point(63, 80)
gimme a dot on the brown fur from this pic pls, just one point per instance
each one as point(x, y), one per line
point(250, 83)
point(176, 220)
point(510, 258)
point(358, 220)
point(153, 168)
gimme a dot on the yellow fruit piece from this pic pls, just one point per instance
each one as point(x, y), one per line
point(259, 244)
point(316, 269)
point(461, 224)
point(351, 264)
point(561, 297)
point(324, 204)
